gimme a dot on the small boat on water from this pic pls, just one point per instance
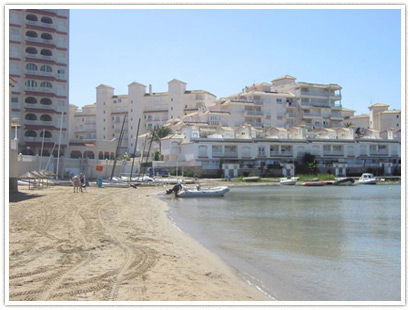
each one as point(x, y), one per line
point(343, 181)
point(288, 181)
point(367, 178)
point(185, 192)
point(315, 183)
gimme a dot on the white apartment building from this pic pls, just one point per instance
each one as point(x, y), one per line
point(199, 148)
point(379, 118)
point(38, 62)
point(286, 103)
point(104, 119)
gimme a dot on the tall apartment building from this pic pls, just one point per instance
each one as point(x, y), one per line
point(379, 118)
point(104, 119)
point(38, 62)
point(286, 103)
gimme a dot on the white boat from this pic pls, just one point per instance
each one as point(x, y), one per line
point(185, 192)
point(288, 181)
point(367, 178)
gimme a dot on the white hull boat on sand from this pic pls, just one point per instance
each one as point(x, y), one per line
point(185, 192)
point(367, 178)
point(288, 181)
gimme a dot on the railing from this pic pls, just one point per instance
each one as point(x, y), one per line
point(314, 93)
point(333, 153)
point(280, 153)
point(231, 154)
point(311, 114)
point(217, 154)
point(39, 24)
point(37, 139)
point(291, 114)
point(39, 40)
point(40, 73)
point(253, 113)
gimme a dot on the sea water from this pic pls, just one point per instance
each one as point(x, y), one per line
point(332, 243)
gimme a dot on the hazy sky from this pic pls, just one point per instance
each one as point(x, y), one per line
point(221, 51)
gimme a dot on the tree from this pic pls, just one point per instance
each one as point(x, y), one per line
point(310, 162)
point(159, 133)
point(348, 124)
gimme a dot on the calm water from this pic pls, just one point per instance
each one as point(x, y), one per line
point(299, 243)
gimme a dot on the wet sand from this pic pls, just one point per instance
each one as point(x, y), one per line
point(110, 244)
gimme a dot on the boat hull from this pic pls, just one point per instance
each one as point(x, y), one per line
point(314, 183)
point(212, 192)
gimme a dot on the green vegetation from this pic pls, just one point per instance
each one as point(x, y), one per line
point(313, 177)
point(159, 133)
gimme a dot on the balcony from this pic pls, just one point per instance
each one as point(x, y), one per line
point(333, 153)
point(39, 56)
point(40, 24)
point(217, 154)
point(289, 114)
point(311, 115)
point(37, 139)
point(40, 40)
point(246, 101)
point(253, 113)
point(280, 153)
point(336, 116)
point(231, 154)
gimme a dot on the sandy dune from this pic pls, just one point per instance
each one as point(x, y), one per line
point(110, 244)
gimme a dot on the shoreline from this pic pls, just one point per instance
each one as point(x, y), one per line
point(102, 246)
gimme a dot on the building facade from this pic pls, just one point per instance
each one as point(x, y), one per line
point(104, 119)
point(254, 151)
point(286, 103)
point(379, 118)
point(38, 62)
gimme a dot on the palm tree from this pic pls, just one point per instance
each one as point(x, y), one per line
point(159, 133)
point(348, 124)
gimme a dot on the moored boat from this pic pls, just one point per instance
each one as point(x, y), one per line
point(343, 181)
point(367, 178)
point(288, 181)
point(185, 192)
point(315, 183)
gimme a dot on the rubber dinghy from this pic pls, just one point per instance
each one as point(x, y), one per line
point(185, 192)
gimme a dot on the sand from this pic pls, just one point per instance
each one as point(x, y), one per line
point(110, 244)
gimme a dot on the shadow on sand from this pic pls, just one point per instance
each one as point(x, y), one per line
point(19, 196)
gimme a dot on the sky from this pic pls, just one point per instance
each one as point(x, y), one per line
point(222, 51)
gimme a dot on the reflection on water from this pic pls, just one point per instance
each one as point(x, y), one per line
point(328, 243)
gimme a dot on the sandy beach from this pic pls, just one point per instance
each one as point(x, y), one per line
point(110, 244)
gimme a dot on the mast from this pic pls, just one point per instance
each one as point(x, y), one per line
point(149, 149)
point(135, 147)
point(59, 143)
point(41, 152)
point(118, 146)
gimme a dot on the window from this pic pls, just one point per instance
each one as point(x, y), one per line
point(45, 101)
point(31, 50)
point(32, 17)
point(397, 116)
point(31, 117)
point(30, 133)
point(31, 83)
point(31, 34)
point(279, 100)
point(46, 84)
point(30, 100)
point(47, 134)
point(45, 52)
point(14, 99)
point(46, 36)
point(46, 68)
point(31, 67)
point(46, 20)
point(46, 117)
